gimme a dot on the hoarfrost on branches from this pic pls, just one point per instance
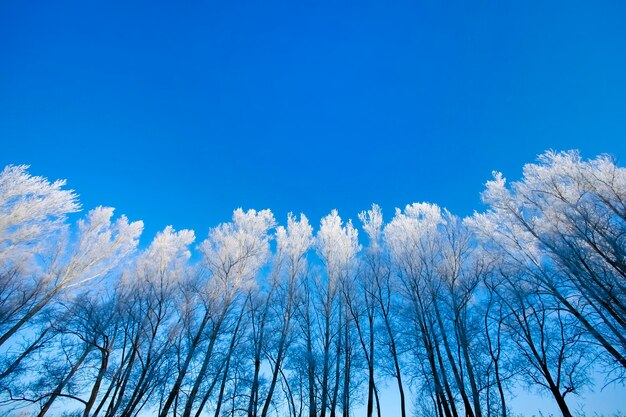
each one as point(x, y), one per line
point(234, 252)
point(337, 245)
point(465, 311)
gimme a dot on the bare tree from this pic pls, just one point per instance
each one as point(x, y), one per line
point(233, 256)
point(564, 223)
point(385, 295)
point(32, 211)
point(547, 337)
point(35, 244)
point(412, 239)
point(293, 242)
point(456, 313)
point(149, 297)
point(337, 246)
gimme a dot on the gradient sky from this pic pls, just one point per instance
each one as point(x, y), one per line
point(179, 112)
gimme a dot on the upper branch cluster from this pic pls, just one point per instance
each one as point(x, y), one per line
point(277, 320)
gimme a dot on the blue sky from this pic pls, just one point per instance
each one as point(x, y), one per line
point(179, 112)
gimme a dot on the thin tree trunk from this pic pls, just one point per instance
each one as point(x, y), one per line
point(104, 364)
point(455, 371)
point(183, 371)
point(446, 384)
point(560, 400)
point(393, 351)
point(368, 351)
point(325, 370)
point(333, 404)
point(205, 365)
point(311, 369)
point(275, 372)
point(231, 348)
point(33, 346)
point(346, 370)
point(29, 315)
point(220, 398)
point(254, 390)
point(377, 401)
point(59, 389)
point(289, 394)
point(470, 370)
point(431, 360)
point(495, 356)
point(113, 407)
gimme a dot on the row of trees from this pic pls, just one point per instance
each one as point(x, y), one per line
point(453, 314)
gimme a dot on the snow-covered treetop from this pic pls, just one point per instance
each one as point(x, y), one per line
point(234, 252)
point(373, 225)
point(295, 240)
point(164, 261)
point(31, 209)
point(337, 245)
point(411, 234)
point(559, 199)
point(100, 245)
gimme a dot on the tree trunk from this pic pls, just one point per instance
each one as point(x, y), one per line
point(455, 371)
point(470, 371)
point(59, 389)
point(104, 364)
point(183, 371)
point(275, 372)
point(29, 315)
point(333, 404)
point(393, 351)
point(446, 384)
point(433, 366)
point(346, 370)
point(231, 348)
point(205, 366)
point(33, 346)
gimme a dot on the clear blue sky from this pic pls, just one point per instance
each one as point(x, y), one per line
point(179, 112)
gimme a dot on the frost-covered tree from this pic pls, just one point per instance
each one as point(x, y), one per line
point(378, 279)
point(233, 254)
point(414, 246)
point(44, 261)
point(32, 212)
point(337, 246)
point(290, 267)
point(564, 223)
point(98, 247)
point(439, 272)
point(458, 314)
point(149, 294)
